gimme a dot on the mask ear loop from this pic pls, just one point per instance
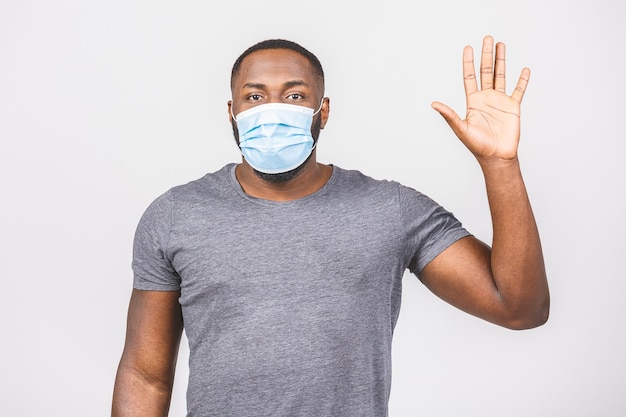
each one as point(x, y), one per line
point(316, 111)
point(231, 113)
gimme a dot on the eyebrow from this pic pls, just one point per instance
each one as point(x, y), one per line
point(295, 83)
point(257, 86)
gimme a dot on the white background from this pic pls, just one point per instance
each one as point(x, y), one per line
point(106, 104)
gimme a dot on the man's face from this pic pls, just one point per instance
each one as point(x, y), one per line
point(277, 76)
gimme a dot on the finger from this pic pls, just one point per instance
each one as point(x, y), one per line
point(469, 74)
point(522, 83)
point(500, 68)
point(486, 64)
point(450, 116)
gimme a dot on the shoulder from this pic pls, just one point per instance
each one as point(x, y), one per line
point(357, 181)
point(211, 183)
point(187, 195)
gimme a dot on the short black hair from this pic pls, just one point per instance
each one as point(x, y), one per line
point(279, 44)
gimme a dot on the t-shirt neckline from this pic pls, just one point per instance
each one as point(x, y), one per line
point(235, 183)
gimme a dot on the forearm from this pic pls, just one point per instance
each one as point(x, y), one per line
point(516, 257)
point(135, 395)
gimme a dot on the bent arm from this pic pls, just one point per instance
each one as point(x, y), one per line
point(145, 375)
point(505, 284)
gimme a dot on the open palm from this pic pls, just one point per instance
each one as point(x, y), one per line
point(491, 127)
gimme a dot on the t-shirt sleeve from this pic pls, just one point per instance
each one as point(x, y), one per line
point(429, 228)
point(152, 267)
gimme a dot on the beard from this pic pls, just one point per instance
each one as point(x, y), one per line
point(284, 177)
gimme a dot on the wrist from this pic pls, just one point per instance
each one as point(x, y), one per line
point(500, 169)
point(497, 163)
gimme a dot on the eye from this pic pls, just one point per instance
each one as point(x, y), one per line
point(295, 96)
point(254, 97)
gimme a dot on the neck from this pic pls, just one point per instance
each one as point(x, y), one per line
point(310, 179)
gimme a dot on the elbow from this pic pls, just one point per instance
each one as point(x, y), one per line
point(527, 323)
point(530, 318)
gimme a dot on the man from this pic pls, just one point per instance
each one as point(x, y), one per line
point(287, 273)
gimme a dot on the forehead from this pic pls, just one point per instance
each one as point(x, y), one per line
point(274, 66)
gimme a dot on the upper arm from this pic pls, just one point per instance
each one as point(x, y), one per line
point(461, 275)
point(153, 333)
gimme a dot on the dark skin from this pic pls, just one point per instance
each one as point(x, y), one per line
point(145, 376)
point(505, 284)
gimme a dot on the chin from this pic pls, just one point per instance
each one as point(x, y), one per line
point(283, 177)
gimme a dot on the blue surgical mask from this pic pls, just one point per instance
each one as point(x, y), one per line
point(275, 137)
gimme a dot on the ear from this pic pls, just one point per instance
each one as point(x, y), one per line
point(230, 111)
point(325, 111)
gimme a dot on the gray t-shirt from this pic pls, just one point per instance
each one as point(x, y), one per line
point(289, 307)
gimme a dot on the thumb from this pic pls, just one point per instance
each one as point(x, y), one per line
point(450, 116)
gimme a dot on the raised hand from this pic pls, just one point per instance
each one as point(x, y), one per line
point(491, 127)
